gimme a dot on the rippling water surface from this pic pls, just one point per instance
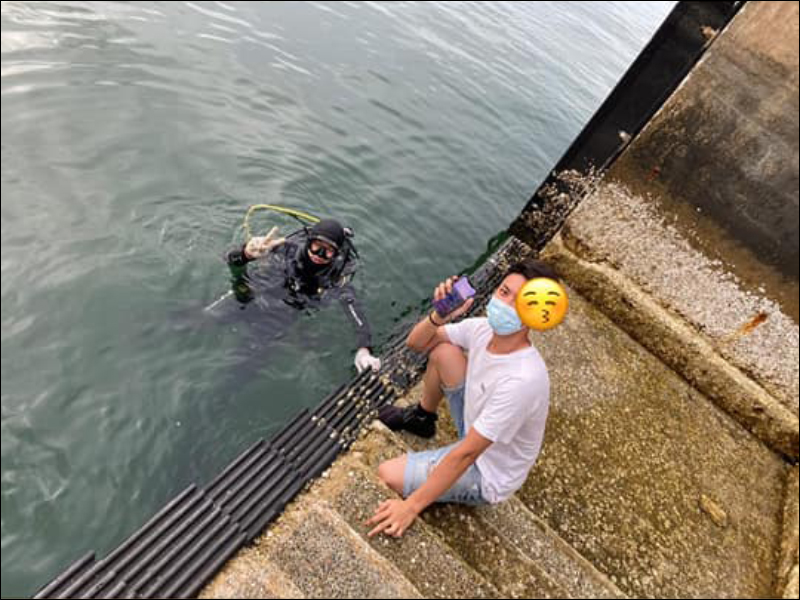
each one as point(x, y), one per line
point(134, 135)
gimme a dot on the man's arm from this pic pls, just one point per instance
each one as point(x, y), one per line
point(449, 470)
point(430, 332)
point(394, 517)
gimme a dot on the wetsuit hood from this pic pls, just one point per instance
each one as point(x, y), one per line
point(328, 230)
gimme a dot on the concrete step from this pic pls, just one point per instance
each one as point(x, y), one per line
point(251, 576)
point(325, 558)
point(492, 554)
point(319, 555)
point(645, 477)
point(566, 567)
point(516, 549)
point(354, 491)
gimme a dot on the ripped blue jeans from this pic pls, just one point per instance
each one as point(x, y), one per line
point(419, 465)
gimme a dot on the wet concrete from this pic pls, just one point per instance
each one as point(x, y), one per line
point(727, 140)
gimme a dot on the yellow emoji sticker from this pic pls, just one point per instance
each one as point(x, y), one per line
point(542, 303)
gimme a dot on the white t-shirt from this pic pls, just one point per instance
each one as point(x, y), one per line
point(506, 401)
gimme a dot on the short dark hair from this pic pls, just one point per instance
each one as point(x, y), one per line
point(530, 268)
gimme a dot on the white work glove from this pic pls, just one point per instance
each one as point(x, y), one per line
point(365, 360)
point(258, 246)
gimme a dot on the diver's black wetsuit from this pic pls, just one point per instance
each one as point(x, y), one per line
point(286, 277)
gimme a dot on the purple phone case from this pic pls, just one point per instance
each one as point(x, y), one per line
point(462, 291)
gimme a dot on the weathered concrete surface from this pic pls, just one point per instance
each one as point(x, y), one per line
point(320, 555)
point(251, 575)
point(727, 139)
point(787, 562)
point(791, 590)
point(558, 559)
point(689, 311)
point(631, 450)
point(500, 563)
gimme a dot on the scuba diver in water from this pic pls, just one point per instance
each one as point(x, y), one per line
point(276, 278)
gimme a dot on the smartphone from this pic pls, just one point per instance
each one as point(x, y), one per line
point(462, 291)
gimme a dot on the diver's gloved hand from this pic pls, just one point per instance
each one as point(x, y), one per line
point(365, 360)
point(258, 246)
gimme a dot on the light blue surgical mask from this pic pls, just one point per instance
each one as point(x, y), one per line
point(503, 319)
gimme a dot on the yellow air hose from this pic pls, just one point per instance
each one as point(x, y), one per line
point(297, 214)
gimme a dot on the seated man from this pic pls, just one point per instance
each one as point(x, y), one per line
point(498, 395)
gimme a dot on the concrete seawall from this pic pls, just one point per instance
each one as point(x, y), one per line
point(726, 142)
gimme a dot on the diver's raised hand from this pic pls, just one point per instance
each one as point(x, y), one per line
point(258, 246)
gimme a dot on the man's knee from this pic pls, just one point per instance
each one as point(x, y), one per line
point(449, 362)
point(445, 352)
point(391, 472)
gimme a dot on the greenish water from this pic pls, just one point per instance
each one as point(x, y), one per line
point(134, 136)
